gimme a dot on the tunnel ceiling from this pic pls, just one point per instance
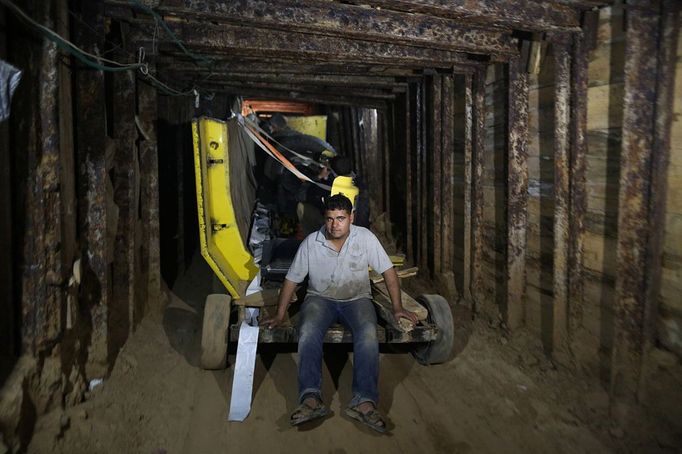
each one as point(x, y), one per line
point(348, 53)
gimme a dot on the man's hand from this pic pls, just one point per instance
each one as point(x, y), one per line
point(272, 322)
point(404, 313)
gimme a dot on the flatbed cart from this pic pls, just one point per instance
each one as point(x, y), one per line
point(221, 157)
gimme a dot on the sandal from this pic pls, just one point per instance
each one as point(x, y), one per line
point(371, 418)
point(304, 413)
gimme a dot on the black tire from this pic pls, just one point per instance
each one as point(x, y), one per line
point(441, 349)
point(214, 332)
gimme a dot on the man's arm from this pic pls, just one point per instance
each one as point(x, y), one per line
point(285, 294)
point(393, 286)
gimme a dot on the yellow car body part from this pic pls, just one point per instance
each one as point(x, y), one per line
point(345, 186)
point(221, 241)
point(313, 125)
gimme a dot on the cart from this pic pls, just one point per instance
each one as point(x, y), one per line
point(225, 201)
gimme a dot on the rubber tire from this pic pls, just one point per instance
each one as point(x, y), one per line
point(214, 332)
point(441, 349)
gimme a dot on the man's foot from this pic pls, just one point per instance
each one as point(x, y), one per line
point(367, 414)
point(310, 409)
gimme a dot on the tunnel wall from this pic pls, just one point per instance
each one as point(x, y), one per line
point(82, 197)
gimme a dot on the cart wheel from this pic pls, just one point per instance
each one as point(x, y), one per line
point(441, 349)
point(214, 332)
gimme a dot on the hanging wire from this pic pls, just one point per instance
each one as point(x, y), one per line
point(95, 61)
point(159, 21)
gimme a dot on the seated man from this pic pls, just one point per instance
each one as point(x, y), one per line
point(336, 260)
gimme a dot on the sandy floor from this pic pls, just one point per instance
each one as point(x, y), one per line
point(497, 395)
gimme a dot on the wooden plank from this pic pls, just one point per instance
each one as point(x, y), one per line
point(268, 297)
point(578, 180)
point(447, 149)
point(636, 227)
point(562, 96)
point(516, 14)
point(436, 173)
point(320, 18)
point(478, 151)
point(409, 303)
point(468, 145)
point(517, 196)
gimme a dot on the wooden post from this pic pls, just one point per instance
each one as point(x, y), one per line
point(478, 150)
point(649, 66)
point(578, 171)
point(468, 188)
point(447, 148)
point(436, 174)
point(91, 144)
point(149, 198)
point(517, 196)
point(562, 96)
point(126, 196)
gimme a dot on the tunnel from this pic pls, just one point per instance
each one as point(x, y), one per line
point(518, 159)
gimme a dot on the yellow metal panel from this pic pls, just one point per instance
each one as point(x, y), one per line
point(221, 242)
point(313, 125)
point(345, 186)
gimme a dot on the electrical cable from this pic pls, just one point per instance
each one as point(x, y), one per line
point(92, 60)
point(159, 20)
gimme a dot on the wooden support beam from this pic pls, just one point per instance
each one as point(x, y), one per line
point(468, 187)
point(91, 143)
point(436, 176)
point(243, 41)
point(562, 99)
point(447, 148)
point(126, 197)
point(317, 98)
point(648, 72)
point(322, 18)
point(289, 78)
point(518, 14)
point(149, 202)
point(315, 90)
point(665, 95)
point(408, 181)
point(478, 151)
point(517, 193)
point(257, 67)
point(422, 173)
point(578, 180)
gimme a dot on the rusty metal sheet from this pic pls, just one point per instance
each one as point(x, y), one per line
point(517, 193)
point(562, 100)
point(316, 17)
point(516, 14)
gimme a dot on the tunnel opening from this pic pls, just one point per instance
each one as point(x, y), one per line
point(523, 156)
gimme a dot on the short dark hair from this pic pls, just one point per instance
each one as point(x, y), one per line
point(338, 202)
